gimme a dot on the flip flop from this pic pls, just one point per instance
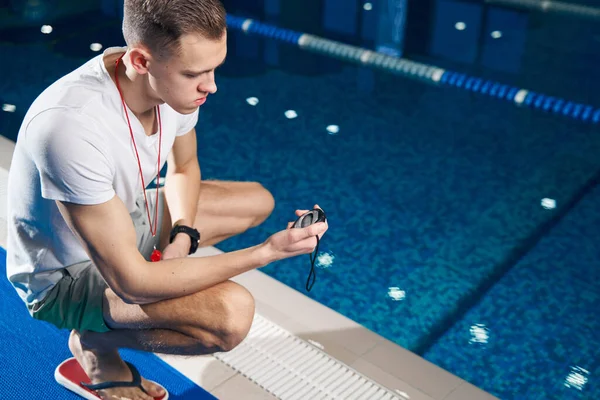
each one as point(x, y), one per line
point(70, 375)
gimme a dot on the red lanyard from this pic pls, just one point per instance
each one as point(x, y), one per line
point(153, 226)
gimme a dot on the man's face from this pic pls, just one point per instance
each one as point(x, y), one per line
point(186, 78)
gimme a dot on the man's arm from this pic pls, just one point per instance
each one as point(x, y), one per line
point(183, 183)
point(108, 235)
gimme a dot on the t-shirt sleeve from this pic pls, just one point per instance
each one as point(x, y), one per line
point(186, 123)
point(71, 158)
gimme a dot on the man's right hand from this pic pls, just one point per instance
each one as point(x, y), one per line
point(293, 242)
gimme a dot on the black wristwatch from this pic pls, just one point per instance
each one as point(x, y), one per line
point(193, 234)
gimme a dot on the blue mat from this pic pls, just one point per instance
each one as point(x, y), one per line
point(30, 350)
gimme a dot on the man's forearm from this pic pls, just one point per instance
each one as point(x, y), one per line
point(152, 282)
point(182, 190)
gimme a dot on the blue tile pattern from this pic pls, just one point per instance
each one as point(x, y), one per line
point(427, 196)
point(538, 326)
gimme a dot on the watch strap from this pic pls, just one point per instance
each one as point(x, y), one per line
point(191, 232)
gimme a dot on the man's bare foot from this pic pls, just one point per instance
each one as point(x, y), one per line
point(102, 365)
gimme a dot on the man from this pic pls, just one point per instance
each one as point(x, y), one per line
point(82, 230)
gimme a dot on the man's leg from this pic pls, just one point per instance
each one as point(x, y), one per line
point(226, 209)
point(216, 319)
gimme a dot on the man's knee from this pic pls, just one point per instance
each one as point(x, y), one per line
point(237, 315)
point(264, 203)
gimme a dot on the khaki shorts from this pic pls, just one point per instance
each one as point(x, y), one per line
point(77, 300)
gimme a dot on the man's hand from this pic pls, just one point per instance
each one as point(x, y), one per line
point(294, 242)
point(179, 248)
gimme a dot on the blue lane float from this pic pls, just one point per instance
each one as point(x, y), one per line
point(420, 71)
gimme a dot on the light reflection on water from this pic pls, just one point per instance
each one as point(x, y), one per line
point(480, 334)
point(577, 378)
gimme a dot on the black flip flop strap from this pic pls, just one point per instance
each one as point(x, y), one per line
point(135, 382)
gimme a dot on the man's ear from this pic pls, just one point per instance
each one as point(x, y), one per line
point(139, 57)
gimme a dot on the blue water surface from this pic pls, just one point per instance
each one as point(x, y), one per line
point(534, 335)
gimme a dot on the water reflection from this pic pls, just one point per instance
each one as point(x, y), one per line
point(333, 129)
point(325, 259)
point(479, 334)
point(460, 26)
point(396, 294)
point(496, 34)
point(577, 378)
point(291, 114)
point(549, 204)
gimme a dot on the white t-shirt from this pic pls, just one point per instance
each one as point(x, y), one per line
point(74, 145)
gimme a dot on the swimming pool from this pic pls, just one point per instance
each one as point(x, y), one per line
point(434, 198)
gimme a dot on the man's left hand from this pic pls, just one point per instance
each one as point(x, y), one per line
point(178, 249)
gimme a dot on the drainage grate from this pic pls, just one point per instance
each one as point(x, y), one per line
point(291, 369)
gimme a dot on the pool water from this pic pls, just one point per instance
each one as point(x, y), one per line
point(534, 335)
point(435, 202)
point(461, 227)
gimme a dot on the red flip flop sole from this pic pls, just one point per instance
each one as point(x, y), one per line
point(69, 374)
